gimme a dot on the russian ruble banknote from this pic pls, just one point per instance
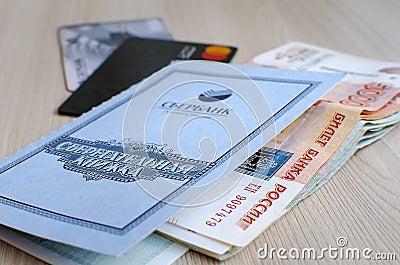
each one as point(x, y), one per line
point(390, 108)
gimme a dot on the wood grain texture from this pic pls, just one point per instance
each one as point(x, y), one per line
point(361, 202)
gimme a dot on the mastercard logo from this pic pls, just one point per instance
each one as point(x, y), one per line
point(216, 53)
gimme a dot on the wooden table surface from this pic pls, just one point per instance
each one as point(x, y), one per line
point(361, 202)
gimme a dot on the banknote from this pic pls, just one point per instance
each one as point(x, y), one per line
point(106, 180)
point(154, 249)
point(342, 155)
point(373, 138)
point(368, 85)
point(272, 177)
point(390, 108)
point(381, 123)
point(337, 160)
point(85, 47)
point(377, 133)
point(364, 133)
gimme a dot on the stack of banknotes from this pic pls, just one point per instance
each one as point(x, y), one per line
point(72, 198)
point(370, 88)
point(361, 109)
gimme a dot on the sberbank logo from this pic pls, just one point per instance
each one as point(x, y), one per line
point(212, 95)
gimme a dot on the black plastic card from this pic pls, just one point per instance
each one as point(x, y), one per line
point(134, 60)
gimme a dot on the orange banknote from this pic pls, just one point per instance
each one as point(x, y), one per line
point(313, 138)
point(390, 108)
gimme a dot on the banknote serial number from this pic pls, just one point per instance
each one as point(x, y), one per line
point(225, 211)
